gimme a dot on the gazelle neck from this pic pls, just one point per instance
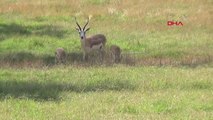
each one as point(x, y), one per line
point(83, 42)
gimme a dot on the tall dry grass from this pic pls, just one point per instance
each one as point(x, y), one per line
point(139, 12)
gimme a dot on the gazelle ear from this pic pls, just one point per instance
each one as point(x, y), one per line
point(77, 29)
point(87, 29)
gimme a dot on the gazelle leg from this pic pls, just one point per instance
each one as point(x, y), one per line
point(102, 53)
point(85, 56)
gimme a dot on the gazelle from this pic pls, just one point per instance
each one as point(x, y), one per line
point(60, 56)
point(115, 52)
point(93, 43)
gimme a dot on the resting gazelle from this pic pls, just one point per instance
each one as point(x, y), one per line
point(93, 43)
point(60, 56)
point(115, 53)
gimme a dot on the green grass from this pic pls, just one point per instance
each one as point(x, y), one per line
point(99, 93)
point(42, 31)
point(172, 78)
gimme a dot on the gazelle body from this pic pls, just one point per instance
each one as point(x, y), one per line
point(115, 52)
point(93, 43)
point(60, 55)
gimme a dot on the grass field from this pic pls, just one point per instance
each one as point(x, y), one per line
point(171, 78)
point(106, 93)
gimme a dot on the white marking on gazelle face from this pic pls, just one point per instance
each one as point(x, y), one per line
point(82, 34)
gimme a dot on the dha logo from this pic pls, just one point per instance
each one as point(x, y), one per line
point(172, 23)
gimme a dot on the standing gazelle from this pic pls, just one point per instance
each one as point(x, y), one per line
point(93, 43)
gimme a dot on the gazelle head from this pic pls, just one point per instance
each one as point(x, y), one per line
point(82, 32)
